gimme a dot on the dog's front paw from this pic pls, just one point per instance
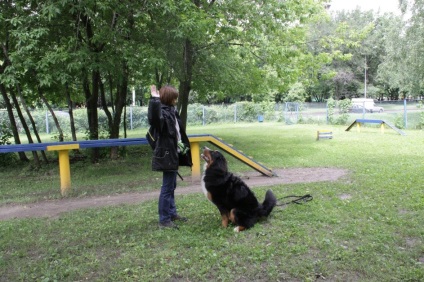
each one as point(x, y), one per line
point(239, 228)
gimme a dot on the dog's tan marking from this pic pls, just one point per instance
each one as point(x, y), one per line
point(233, 220)
point(209, 196)
point(232, 217)
point(224, 220)
point(206, 156)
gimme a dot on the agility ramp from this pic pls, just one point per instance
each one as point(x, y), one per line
point(358, 123)
point(195, 154)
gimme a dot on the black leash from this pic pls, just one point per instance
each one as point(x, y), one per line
point(299, 200)
point(180, 176)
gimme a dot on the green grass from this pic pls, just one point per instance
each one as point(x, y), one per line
point(365, 227)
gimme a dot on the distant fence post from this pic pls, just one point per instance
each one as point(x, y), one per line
point(203, 115)
point(47, 122)
point(326, 112)
point(235, 112)
point(405, 114)
point(131, 117)
point(363, 110)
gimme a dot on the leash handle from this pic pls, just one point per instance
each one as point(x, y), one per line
point(299, 199)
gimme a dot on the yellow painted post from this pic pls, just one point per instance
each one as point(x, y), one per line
point(358, 126)
point(64, 167)
point(65, 172)
point(382, 128)
point(195, 157)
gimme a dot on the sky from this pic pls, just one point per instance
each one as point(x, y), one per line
point(383, 5)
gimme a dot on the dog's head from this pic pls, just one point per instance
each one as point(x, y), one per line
point(214, 159)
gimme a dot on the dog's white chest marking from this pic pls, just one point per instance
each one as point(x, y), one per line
point(203, 182)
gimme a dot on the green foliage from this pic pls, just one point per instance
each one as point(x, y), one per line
point(277, 49)
point(297, 93)
point(402, 67)
point(383, 44)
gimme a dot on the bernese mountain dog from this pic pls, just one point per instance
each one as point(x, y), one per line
point(233, 198)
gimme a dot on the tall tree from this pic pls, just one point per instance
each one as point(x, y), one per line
point(403, 67)
point(360, 38)
point(8, 10)
point(101, 45)
point(222, 46)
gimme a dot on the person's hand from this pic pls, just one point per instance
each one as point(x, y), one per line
point(153, 91)
point(182, 147)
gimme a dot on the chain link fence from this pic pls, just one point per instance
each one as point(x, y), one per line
point(403, 114)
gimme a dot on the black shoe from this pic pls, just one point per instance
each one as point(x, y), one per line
point(180, 218)
point(168, 224)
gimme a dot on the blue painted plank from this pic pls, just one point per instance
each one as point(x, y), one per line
point(83, 144)
point(370, 121)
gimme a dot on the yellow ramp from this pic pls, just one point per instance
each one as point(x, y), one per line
point(195, 147)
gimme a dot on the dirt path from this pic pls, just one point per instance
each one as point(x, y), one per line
point(55, 207)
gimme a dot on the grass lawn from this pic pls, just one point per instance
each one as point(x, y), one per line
point(366, 227)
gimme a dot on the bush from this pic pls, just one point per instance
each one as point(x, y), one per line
point(421, 121)
point(399, 121)
point(5, 135)
point(247, 111)
point(344, 106)
point(331, 105)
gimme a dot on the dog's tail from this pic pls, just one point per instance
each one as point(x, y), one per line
point(268, 204)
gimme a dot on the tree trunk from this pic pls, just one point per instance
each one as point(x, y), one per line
point(104, 104)
point(6, 62)
point(120, 99)
point(111, 92)
point(13, 126)
point(185, 80)
point(31, 119)
point(125, 122)
point(121, 95)
point(184, 90)
point(110, 117)
point(91, 95)
point(91, 98)
point(25, 126)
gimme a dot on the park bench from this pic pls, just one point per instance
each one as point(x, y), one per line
point(63, 149)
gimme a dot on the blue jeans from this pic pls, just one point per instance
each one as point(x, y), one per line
point(167, 208)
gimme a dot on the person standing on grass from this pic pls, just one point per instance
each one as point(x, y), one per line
point(171, 149)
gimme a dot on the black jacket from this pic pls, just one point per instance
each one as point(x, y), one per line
point(165, 154)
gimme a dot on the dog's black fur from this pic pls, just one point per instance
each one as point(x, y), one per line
point(233, 198)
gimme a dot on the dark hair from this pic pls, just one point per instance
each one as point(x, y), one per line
point(168, 95)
